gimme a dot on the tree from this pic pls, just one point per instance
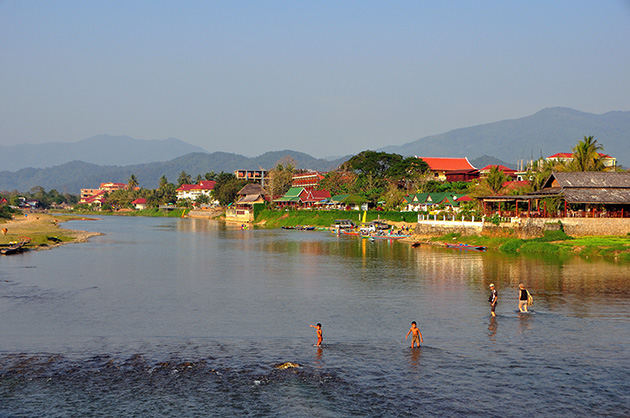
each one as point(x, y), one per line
point(339, 182)
point(210, 176)
point(586, 155)
point(226, 187)
point(199, 178)
point(280, 177)
point(132, 183)
point(163, 182)
point(495, 179)
point(184, 178)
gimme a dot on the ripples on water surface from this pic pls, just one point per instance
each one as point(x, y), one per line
point(164, 317)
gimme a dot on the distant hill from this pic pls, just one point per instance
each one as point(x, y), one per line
point(73, 176)
point(544, 133)
point(101, 149)
point(486, 160)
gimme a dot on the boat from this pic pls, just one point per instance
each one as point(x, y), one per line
point(15, 247)
point(461, 246)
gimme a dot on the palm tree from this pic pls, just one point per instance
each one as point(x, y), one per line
point(586, 155)
point(184, 178)
point(132, 183)
point(495, 179)
point(163, 182)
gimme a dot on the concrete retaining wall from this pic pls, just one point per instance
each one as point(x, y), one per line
point(528, 227)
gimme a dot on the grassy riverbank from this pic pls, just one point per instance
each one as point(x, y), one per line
point(553, 243)
point(159, 213)
point(43, 230)
point(325, 218)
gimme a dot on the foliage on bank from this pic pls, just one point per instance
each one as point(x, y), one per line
point(325, 218)
point(555, 243)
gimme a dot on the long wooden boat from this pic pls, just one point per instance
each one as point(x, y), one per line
point(461, 246)
point(15, 247)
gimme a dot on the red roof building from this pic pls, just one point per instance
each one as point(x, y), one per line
point(451, 169)
point(506, 170)
point(568, 157)
point(193, 191)
point(309, 181)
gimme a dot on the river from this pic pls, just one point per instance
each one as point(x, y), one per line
point(187, 317)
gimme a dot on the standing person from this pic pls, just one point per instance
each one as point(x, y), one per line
point(523, 298)
point(416, 335)
point(320, 336)
point(493, 299)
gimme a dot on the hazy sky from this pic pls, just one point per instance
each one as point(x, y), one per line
point(321, 77)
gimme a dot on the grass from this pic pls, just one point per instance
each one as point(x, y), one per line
point(42, 229)
point(325, 218)
point(552, 243)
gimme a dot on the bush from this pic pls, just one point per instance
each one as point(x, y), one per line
point(550, 236)
point(512, 246)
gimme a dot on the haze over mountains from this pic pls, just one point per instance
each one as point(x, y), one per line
point(100, 149)
point(68, 167)
point(542, 134)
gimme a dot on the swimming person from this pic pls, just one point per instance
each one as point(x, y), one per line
point(493, 299)
point(523, 298)
point(320, 337)
point(416, 335)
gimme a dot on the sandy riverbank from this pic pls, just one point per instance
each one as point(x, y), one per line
point(43, 230)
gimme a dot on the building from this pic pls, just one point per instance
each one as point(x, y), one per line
point(451, 169)
point(110, 187)
point(300, 197)
point(258, 176)
point(140, 203)
point(309, 181)
point(426, 202)
point(512, 174)
point(584, 194)
point(567, 157)
point(194, 191)
point(243, 209)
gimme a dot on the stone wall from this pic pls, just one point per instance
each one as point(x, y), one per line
point(528, 227)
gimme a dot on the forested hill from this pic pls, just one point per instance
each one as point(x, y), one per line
point(73, 176)
point(544, 133)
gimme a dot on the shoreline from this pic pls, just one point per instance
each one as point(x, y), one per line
point(44, 231)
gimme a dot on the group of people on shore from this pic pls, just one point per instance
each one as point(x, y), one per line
point(525, 299)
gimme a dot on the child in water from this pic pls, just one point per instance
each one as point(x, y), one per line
point(320, 337)
point(416, 335)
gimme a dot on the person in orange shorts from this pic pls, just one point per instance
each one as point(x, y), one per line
point(416, 335)
point(320, 337)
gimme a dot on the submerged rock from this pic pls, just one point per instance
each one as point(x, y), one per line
point(287, 365)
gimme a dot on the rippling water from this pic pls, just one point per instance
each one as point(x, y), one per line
point(180, 317)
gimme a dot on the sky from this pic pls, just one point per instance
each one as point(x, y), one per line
point(327, 78)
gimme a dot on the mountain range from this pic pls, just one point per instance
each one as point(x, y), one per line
point(542, 134)
point(68, 167)
point(71, 177)
point(101, 149)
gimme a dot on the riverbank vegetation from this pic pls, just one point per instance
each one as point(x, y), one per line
point(324, 218)
point(555, 243)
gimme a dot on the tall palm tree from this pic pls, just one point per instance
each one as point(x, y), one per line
point(132, 183)
point(184, 178)
point(495, 179)
point(586, 155)
point(163, 182)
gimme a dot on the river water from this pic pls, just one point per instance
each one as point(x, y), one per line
point(187, 317)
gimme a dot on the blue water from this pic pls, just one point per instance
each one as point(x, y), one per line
point(183, 317)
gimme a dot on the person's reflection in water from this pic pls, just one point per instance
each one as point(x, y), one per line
point(492, 328)
point(318, 357)
point(524, 323)
point(414, 358)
